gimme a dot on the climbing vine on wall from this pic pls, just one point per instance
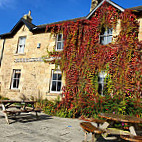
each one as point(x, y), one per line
point(84, 57)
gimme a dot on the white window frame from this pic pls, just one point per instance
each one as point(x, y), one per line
point(55, 72)
point(57, 41)
point(21, 45)
point(102, 75)
point(106, 35)
point(13, 79)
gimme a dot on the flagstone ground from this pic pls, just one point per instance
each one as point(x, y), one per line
point(47, 129)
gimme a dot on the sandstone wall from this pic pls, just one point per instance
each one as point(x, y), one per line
point(35, 76)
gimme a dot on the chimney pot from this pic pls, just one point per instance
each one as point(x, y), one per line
point(28, 17)
point(94, 4)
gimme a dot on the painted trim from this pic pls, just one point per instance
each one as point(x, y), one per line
point(2, 52)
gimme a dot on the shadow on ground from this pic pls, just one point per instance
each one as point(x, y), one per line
point(25, 118)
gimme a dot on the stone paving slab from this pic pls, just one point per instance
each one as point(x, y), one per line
point(25, 128)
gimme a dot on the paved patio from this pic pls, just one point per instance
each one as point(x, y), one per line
point(47, 129)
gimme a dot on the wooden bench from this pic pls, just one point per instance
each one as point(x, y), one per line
point(89, 128)
point(132, 138)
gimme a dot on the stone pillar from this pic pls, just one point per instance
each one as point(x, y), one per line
point(94, 4)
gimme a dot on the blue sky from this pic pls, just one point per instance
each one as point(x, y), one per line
point(47, 11)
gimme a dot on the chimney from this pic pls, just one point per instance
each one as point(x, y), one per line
point(28, 17)
point(94, 4)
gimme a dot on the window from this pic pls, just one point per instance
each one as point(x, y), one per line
point(102, 82)
point(56, 81)
point(59, 42)
point(106, 36)
point(21, 45)
point(15, 79)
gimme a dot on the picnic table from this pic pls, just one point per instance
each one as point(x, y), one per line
point(109, 131)
point(131, 120)
point(14, 107)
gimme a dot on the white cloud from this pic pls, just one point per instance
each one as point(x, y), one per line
point(6, 3)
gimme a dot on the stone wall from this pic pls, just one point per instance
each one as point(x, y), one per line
point(35, 75)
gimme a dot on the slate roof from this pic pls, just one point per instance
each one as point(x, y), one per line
point(44, 25)
point(21, 22)
point(138, 8)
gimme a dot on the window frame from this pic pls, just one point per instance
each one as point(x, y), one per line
point(13, 78)
point(55, 72)
point(106, 34)
point(57, 41)
point(19, 44)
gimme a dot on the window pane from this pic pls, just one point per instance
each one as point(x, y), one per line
point(100, 79)
point(102, 40)
point(18, 75)
point(100, 89)
point(54, 77)
point(58, 86)
point(14, 84)
point(109, 31)
point(53, 86)
point(59, 46)
point(59, 76)
point(105, 40)
point(109, 39)
point(59, 37)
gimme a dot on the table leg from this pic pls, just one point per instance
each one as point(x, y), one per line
point(104, 126)
point(6, 118)
point(132, 130)
point(5, 114)
point(93, 137)
point(85, 136)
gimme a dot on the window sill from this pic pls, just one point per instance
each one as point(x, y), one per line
point(14, 90)
point(19, 54)
point(54, 92)
point(58, 50)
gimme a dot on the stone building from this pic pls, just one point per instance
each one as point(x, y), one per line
point(22, 69)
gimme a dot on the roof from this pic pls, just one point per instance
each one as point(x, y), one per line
point(110, 2)
point(21, 22)
point(138, 8)
point(59, 22)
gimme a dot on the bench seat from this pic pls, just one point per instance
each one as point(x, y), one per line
point(132, 138)
point(21, 110)
point(89, 128)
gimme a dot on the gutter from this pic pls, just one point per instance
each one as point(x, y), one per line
point(2, 50)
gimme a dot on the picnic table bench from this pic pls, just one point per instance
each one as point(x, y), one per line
point(102, 127)
point(131, 120)
point(89, 128)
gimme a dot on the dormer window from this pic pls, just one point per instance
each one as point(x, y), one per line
point(106, 36)
point(21, 45)
point(59, 42)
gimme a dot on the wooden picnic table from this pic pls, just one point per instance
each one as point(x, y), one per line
point(131, 120)
point(121, 118)
point(20, 107)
